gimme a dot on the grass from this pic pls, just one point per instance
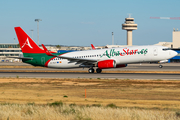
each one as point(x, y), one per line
point(178, 113)
point(112, 105)
point(96, 105)
point(65, 96)
point(31, 103)
point(137, 97)
point(56, 103)
point(145, 93)
point(69, 112)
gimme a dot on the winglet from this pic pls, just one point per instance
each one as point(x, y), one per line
point(46, 51)
point(93, 47)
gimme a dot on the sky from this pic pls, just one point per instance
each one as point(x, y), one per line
point(85, 22)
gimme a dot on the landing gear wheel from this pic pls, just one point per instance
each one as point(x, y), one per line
point(91, 70)
point(160, 66)
point(98, 70)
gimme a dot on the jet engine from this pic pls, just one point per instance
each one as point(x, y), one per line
point(109, 64)
point(106, 64)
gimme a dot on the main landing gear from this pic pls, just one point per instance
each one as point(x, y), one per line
point(98, 70)
point(91, 70)
point(160, 66)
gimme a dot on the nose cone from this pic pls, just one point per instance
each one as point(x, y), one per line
point(173, 53)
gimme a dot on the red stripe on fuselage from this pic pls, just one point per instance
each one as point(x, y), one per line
point(46, 64)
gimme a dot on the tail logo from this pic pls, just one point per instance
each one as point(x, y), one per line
point(27, 43)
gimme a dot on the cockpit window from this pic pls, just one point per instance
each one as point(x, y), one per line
point(166, 49)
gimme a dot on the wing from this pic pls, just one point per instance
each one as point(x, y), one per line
point(71, 59)
point(26, 58)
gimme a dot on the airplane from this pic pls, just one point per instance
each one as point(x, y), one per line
point(99, 58)
point(92, 46)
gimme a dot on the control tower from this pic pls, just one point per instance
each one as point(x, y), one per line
point(129, 25)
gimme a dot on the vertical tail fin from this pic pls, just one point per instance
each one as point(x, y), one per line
point(26, 43)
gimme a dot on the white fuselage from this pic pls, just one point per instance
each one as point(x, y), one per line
point(123, 55)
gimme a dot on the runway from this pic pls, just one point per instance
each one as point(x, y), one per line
point(82, 73)
point(131, 67)
point(95, 75)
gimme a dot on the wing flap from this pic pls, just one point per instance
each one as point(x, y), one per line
point(26, 58)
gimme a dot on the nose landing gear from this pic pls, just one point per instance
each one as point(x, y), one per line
point(160, 66)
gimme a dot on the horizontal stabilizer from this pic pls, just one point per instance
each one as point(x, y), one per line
point(25, 58)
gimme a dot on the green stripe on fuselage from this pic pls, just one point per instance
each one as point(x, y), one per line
point(39, 59)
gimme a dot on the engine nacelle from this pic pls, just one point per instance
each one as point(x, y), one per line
point(106, 64)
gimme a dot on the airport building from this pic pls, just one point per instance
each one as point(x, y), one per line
point(175, 45)
point(9, 49)
point(176, 39)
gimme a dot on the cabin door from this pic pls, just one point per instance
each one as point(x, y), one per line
point(155, 51)
point(42, 60)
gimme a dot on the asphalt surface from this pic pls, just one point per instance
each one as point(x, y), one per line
point(131, 67)
point(156, 76)
point(84, 74)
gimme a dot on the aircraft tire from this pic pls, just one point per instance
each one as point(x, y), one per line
point(160, 66)
point(98, 70)
point(91, 70)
